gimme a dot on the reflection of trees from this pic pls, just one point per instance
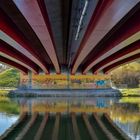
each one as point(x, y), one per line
point(54, 106)
point(127, 117)
point(125, 112)
point(131, 107)
point(137, 129)
point(9, 107)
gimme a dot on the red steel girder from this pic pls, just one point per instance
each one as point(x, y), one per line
point(128, 51)
point(32, 13)
point(114, 11)
point(126, 34)
point(14, 38)
point(14, 64)
point(122, 62)
point(12, 54)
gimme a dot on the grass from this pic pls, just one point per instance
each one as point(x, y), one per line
point(130, 92)
point(4, 92)
point(9, 78)
point(130, 100)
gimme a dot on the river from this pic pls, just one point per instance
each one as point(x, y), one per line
point(125, 112)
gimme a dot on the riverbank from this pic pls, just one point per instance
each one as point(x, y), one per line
point(4, 92)
point(134, 92)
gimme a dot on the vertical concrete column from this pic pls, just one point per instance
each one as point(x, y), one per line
point(68, 79)
point(111, 84)
point(29, 80)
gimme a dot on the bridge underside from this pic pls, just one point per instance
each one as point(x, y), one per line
point(73, 36)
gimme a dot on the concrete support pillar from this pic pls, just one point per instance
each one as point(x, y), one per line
point(29, 80)
point(68, 79)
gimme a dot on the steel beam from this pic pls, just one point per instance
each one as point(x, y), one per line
point(12, 54)
point(13, 64)
point(128, 51)
point(32, 13)
point(126, 34)
point(114, 11)
point(122, 62)
point(17, 41)
point(120, 46)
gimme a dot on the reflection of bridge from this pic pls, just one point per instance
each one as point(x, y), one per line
point(42, 35)
point(64, 127)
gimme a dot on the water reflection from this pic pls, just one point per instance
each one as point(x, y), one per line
point(6, 121)
point(125, 112)
point(65, 105)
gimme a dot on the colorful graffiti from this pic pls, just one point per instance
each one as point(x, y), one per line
point(43, 81)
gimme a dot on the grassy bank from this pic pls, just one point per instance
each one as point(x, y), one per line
point(130, 100)
point(130, 92)
point(9, 78)
point(4, 92)
point(135, 92)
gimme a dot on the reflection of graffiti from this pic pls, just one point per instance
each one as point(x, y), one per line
point(101, 103)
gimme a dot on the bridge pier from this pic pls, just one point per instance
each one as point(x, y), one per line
point(29, 80)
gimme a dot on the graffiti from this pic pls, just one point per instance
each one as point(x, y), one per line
point(62, 81)
point(101, 83)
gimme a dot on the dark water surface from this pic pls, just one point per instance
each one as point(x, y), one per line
point(125, 112)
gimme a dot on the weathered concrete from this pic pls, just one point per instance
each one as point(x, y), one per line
point(66, 92)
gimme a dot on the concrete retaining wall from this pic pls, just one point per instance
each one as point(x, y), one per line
point(66, 92)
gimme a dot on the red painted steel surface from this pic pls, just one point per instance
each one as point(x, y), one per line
point(23, 46)
point(13, 64)
point(14, 55)
point(128, 29)
point(109, 18)
point(122, 62)
point(97, 50)
point(134, 47)
point(32, 13)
